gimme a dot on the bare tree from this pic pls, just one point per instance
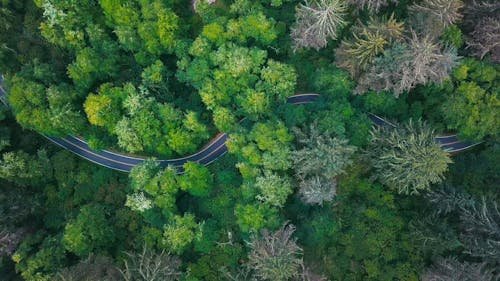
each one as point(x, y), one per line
point(447, 12)
point(9, 240)
point(151, 266)
point(430, 62)
point(476, 11)
point(91, 269)
point(447, 199)
point(374, 6)
point(275, 256)
point(451, 269)
point(481, 230)
point(485, 39)
point(316, 22)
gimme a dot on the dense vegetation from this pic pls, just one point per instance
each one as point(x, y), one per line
point(307, 192)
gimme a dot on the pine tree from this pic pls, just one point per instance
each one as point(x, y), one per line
point(275, 256)
point(316, 22)
point(407, 159)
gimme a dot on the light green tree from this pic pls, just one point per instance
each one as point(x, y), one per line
point(274, 189)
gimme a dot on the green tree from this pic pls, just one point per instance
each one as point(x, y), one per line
point(197, 179)
point(254, 217)
point(89, 232)
point(473, 107)
point(24, 169)
point(274, 189)
point(407, 158)
point(180, 233)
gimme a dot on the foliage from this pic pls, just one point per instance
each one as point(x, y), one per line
point(407, 159)
point(89, 232)
point(274, 189)
point(473, 107)
point(363, 236)
point(24, 169)
point(196, 180)
point(179, 233)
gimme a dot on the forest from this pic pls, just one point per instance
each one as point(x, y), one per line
point(307, 191)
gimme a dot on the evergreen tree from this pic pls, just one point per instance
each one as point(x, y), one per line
point(407, 158)
point(316, 22)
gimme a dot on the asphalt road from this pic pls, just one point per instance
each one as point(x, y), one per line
point(209, 153)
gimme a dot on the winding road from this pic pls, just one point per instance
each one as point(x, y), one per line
point(210, 152)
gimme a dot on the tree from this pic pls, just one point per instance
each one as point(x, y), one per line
point(447, 12)
point(374, 6)
point(472, 111)
point(275, 256)
point(196, 179)
point(89, 232)
point(274, 189)
point(104, 109)
point(485, 38)
point(253, 217)
point(370, 40)
point(149, 265)
point(450, 269)
point(404, 66)
point(316, 22)
point(321, 154)
point(481, 229)
point(179, 233)
point(407, 159)
point(483, 25)
point(90, 269)
point(316, 190)
point(141, 174)
point(473, 107)
point(24, 169)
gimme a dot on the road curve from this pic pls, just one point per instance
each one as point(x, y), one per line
point(209, 153)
